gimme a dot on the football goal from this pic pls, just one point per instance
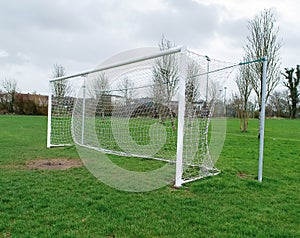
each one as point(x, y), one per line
point(145, 103)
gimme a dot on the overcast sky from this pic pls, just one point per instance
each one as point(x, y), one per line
point(80, 34)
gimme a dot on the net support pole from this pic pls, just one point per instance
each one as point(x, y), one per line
point(181, 112)
point(207, 78)
point(83, 111)
point(49, 120)
point(262, 119)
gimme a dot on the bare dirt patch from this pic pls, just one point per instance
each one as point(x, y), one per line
point(244, 175)
point(54, 164)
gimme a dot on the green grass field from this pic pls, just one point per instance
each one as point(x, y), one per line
point(73, 203)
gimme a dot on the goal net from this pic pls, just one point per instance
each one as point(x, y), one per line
point(144, 103)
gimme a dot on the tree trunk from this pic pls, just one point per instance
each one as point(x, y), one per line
point(243, 120)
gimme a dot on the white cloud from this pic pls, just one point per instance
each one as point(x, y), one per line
point(3, 53)
point(23, 56)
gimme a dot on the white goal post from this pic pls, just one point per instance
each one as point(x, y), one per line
point(142, 103)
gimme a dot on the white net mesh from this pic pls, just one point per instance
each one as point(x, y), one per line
point(132, 109)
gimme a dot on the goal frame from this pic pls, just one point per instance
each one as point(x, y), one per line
point(181, 105)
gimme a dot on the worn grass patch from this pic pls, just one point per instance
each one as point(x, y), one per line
point(56, 164)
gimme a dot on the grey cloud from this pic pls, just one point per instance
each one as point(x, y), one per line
point(185, 22)
point(235, 29)
point(77, 29)
point(41, 14)
point(61, 29)
point(79, 34)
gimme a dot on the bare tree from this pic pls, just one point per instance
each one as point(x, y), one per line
point(126, 86)
point(192, 86)
point(292, 85)
point(99, 86)
point(192, 81)
point(237, 104)
point(263, 41)
point(61, 88)
point(99, 90)
point(165, 78)
point(214, 91)
point(279, 104)
point(243, 82)
point(10, 88)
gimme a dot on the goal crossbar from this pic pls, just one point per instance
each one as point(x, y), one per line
point(119, 64)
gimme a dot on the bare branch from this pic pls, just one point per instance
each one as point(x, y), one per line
point(61, 88)
point(165, 77)
point(126, 86)
point(263, 41)
point(99, 86)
